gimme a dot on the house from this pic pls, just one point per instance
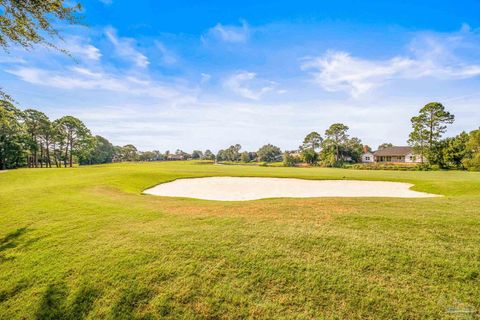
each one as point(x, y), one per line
point(172, 157)
point(396, 154)
point(367, 155)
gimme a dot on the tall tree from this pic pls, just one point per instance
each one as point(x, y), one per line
point(335, 138)
point(46, 140)
point(233, 153)
point(269, 153)
point(208, 155)
point(11, 136)
point(36, 123)
point(456, 150)
point(245, 157)
point(472, 160)
point(129, 152)
point(428, 128)
point(197, 154)
point(75, 138)
point(313, 141)
point(102, 152)
point(309, 156)
point(354, 149)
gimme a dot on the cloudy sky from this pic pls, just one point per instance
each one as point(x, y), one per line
point(206, 74)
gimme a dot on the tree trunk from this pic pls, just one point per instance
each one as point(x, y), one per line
point(71, 156)
point(41, 155)
point(47, 151)
point(65, 156)
point(35, 164)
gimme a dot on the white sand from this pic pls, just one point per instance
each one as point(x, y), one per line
point(241, 189)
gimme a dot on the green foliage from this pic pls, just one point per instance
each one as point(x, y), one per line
point(230, 154)
point(309, 156)
point(335, 138)
point(128, 153)
point(75, 138)
point(245, 157)
point(389, 166)
point(327, 157)
point(338, 148)
point(436, 154)
point(31, 135)
point(25, 23)
point(449, 152)
point(39, 132)
point(472, 160)
point(456, 150)
point(208, 155)
point(384, 146)
point(313, 141)
point(428, 128)
point(12, 136)
point(269, 153)
point(290, 160)
point(102, 152)
point(353, 149)
point(197, 154)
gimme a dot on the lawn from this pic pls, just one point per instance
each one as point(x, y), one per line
point(85, 243)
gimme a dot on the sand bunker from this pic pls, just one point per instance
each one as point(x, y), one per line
point(241, 189)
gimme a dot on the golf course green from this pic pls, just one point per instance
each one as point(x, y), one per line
point(85, 243)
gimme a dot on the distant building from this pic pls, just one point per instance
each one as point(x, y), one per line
point(396, 154)
point(367, 155)
point(172, 157)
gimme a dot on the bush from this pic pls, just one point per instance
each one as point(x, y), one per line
point(310, 156)
point(472, 164)
point(269, 153)
point(289, 160)
point(390, 166)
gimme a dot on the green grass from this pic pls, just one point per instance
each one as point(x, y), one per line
point(85, 243)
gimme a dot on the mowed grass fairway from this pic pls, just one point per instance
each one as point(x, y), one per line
point(85, 243)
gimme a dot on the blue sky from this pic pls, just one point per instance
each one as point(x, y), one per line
point(208, 74)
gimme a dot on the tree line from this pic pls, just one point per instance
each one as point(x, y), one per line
point(426, 138)
point(461, 151)
point(336, 147)
point(29, 138)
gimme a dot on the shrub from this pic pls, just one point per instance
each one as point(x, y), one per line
point(310, 156)
point(290, 160)
point(389, 166)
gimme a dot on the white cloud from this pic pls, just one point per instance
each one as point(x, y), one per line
point(83, 78)
point(229, 33)
point(168, 57)
point(125, 47)
point(430, 56)
point(245, 84)
point(77, 47)
point(339, 71)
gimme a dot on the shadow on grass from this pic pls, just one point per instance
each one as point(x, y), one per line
point(10, 293)
point(131, 300)
point(10, 242)
point(54, 305)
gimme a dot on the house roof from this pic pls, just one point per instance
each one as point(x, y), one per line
point(393, 151)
